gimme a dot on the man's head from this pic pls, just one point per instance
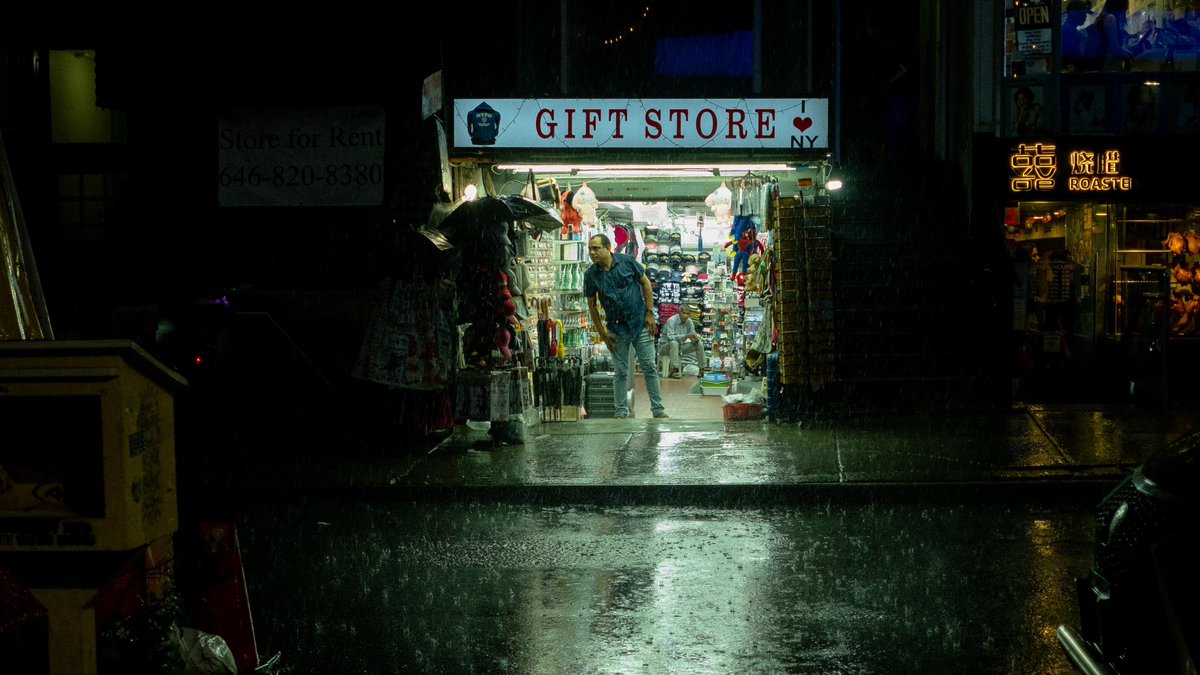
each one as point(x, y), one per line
point(689, 310)
point(600, 249)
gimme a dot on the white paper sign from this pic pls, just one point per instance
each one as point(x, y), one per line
point(326, 157)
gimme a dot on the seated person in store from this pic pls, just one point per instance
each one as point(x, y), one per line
point(620, 284)
point(679, 338)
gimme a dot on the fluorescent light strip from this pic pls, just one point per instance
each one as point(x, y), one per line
point(663, 169)
point(642, 173)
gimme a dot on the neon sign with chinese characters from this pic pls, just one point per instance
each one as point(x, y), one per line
point(1097, 172)
point(1035, 169)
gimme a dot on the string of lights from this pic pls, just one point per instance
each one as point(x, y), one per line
point(629, 30)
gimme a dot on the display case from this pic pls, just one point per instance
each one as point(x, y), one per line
point(1157, 264)
point(1155, 298)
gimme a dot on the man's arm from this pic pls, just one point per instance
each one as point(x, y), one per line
point(594, 313)
point(648, 298)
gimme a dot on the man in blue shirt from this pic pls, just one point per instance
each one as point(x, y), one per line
point(620, 285)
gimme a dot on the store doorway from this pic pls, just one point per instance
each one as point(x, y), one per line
point(681, 230)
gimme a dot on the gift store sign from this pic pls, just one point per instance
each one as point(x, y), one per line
point(1036, 168)
point(667, 124)
point(323, 157)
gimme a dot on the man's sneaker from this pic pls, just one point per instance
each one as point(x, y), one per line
point(662, 415)
point(619, 416)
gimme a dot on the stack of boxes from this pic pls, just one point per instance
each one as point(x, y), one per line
point(803, 306)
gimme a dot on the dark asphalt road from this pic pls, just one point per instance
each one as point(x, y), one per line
point(889, 545)
point(833, 587)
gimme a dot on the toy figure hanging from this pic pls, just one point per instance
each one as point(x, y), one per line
point(746, 246)
point(572, 220)
point(585, 203)
point(720, 202)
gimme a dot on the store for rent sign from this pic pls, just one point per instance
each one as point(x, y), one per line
point(1035, 168)
point(324, 157)
point(801, 123)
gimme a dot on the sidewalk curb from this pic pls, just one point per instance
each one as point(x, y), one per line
point(1087, 492)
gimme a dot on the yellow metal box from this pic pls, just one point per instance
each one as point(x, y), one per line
point(87, 446)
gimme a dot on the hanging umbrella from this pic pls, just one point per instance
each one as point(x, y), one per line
point(614, 211)
point(470, 218)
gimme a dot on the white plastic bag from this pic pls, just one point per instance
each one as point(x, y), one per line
point(204, 653)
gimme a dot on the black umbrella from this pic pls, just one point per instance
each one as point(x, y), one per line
point(471, 218)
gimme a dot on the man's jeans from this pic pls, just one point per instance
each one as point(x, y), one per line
point(644, 347)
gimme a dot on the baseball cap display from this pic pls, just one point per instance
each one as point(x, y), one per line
point(704, 256)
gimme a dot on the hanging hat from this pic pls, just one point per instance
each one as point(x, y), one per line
point(704, 256)
point(692, 269)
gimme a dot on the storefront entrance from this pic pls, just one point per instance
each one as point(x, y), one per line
point(700, 236)
point(686, 191)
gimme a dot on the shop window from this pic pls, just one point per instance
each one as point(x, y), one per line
point(84, 201)
point(1129, 36)
point(1084, 67)
point(1158, 246)
point(1028, 45)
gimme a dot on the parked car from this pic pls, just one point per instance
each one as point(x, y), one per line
point(1139, 607)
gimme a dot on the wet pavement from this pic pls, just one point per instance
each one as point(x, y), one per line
point(1063, 447)
point(885, 545)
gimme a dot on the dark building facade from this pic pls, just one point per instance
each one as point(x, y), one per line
point(1098, 111)
point(129, 223)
